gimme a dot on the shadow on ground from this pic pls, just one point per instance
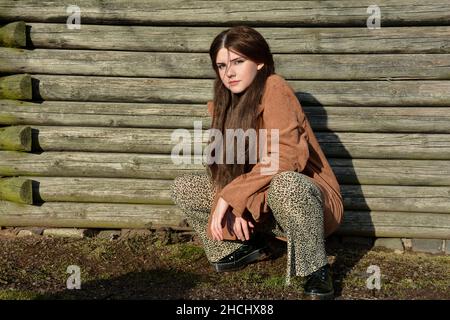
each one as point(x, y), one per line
point(152, 284)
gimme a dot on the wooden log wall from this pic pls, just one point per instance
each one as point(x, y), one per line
point(87, 114)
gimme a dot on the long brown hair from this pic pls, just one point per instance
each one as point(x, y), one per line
point(234, 111)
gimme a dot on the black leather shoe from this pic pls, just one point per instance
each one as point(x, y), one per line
point(319, 284)
point(250, 251)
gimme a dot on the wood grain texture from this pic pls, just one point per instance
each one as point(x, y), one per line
point(197, 65)
point(154, 166)
point(167, 116)
point(260, 13)
point(411, 39)
point(156, 191)
point(146, 90)
point(164, 141)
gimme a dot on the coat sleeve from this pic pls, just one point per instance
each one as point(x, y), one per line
point(282, 111)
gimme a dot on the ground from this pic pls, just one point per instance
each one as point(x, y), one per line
point(150, 267)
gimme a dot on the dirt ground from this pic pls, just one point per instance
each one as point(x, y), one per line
point(151, 267)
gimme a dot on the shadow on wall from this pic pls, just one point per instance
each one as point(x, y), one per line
point(344, 261)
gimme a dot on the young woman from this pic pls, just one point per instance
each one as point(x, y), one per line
point(291, 193)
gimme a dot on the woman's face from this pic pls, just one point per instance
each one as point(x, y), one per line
point(236, 71)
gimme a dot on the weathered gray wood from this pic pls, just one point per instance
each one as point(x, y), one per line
point(158, 115)
point(396, 224)
point(16, 190)
point(13, 35)
point(107, 215)
point(101, 114)
point(385, 145)
point(171, 65)
point(360, 93)
point(91, 215)
point(155, 191)
point(17, 86)
point(374, 119)
point(106, 190)
point(396, 198)
point(264, 13)
point(342, 144)
point(411, 39)
point(153, 166)
point(15, 138)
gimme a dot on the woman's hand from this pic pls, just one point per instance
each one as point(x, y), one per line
point(240, 226)
point(217, 217)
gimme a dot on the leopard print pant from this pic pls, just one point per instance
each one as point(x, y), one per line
point(297, 207)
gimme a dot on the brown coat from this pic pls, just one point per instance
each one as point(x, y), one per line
point(298, 151)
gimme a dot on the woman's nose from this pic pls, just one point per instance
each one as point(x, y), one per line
point(230, 72)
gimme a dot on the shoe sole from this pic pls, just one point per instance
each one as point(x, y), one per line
point(243, 262)
point(319, 296)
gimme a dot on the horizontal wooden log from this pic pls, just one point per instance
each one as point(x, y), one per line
point(106, 190)
point(161, 64)
point(155, 191)
point(360, 93)
point(396, 198)
point(431, 39)
point(341, 145)
point(102, 114)
point(13, 35)
point(91, 215)
point(396, 224)
point(15, 138)
point(106, 215)
point(16, 190)
point(16, 87)
point(158, 115)
point(263, 13)
point(153, 166)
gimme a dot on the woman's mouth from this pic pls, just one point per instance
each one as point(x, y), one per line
point(232, 83)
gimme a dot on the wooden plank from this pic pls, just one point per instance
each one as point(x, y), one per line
point(262, 13)
point(136, 140)
point(106, 190)
point(165, 116)
point(107, 215)
point(396, 224)
point(411, 39)
point(154, 166)
point(161, 64)
point(357, 93)
point(156, 191)
point(396, 198)
point(91, 215)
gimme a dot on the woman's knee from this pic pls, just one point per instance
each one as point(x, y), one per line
point(190, 190)
point(290, 188)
